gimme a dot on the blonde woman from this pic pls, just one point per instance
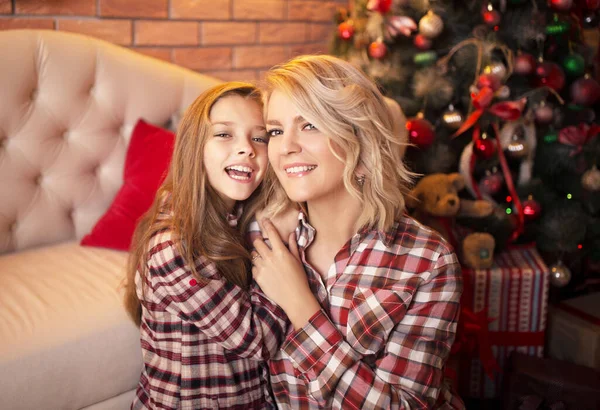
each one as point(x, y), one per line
point(205, 331)
point(372, 295)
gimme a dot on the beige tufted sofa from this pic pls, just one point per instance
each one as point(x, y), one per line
point(68, 104)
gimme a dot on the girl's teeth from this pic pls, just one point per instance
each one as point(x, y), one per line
point(293, 170)
point(241, 178)
point(240, 168)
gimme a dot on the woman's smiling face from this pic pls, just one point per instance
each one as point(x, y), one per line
point(300, 154)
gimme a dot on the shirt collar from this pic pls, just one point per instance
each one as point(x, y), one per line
point(306, 233)
point(233, 217)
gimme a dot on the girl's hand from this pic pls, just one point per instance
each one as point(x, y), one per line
point(281, 276)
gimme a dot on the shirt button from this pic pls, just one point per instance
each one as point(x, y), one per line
point(193, 282)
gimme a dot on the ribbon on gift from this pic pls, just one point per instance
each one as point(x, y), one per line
point(578, 136)
point(473, 334)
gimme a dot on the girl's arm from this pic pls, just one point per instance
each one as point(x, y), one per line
point(406, 373)
point(247, 324)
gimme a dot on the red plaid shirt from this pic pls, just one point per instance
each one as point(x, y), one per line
point(390, 306)
point(204, 345)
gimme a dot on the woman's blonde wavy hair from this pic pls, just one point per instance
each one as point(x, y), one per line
point(343, 103)
point(190, 207)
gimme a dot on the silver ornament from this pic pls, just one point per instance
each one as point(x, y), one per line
point(591, 179)
point(503, 92)
point(431, 25)
point(560, 275)
point(497, 69)
point(452, 119)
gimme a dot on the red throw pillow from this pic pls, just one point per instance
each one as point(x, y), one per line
point(146, 165)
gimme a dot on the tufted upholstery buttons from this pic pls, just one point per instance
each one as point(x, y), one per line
point(78, 136)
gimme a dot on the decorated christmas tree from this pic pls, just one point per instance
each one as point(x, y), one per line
point(505, 93)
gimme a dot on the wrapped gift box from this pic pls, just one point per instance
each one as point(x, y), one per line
point(574, 331)
point(538, 384)
point(504, 310)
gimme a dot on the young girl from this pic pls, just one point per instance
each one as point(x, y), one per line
point(204, 345)
point(375, 314)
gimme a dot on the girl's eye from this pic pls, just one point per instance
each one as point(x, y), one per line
point(222, 135)
point(309, 126)
point(274, 132)
point(261, 140)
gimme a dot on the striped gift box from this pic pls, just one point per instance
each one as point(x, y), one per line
point(512, 298)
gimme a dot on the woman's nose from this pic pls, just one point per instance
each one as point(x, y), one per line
point(289, 143)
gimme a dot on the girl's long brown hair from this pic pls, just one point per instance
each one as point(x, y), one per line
point(187, 205)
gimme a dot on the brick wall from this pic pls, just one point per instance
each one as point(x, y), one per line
point(229, 39)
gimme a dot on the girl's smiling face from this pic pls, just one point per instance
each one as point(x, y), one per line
point(235, 154)
point(300, 154)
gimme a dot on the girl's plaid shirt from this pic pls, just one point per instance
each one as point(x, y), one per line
point(390, 305)
point(204, 343)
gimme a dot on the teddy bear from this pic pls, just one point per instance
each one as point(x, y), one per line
point(436, 203)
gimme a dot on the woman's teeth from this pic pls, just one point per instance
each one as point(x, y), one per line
point(294, 170)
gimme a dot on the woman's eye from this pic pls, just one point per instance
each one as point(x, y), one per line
point(274, 132)
point(309, 126)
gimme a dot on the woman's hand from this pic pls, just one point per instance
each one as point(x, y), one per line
point(280, 274)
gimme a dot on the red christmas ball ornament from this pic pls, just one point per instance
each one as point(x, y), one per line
point(382, 6)
point(484, 147)
point(592, 4)
point(524, 64)
point(491, 184)
point(346, 30)
point(531, 209)
point(585, 91)
point(551, 75)
point(422, 42)
point(561, 5)
point(377, 49)
point(492, 17)
point(544, 113)
point(420, 131)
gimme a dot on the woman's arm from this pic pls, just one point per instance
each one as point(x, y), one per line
point(221, 310)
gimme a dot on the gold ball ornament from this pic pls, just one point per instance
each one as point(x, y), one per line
point(560, 275)
point(591, 179)
point(518, 147)
point(452, 118)
point(431, 25)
